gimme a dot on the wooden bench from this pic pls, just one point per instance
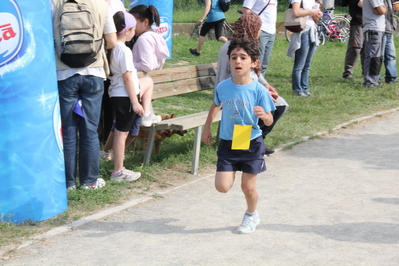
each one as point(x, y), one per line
point(177, 81)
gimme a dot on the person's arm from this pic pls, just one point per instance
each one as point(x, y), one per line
point(109, 31)
point(223, 68)
point(261, 114)
point(131, 91)
point(380, 10)
point(297, 11)
point(206, 135)
point(360, 3)
point(273, 93)
point(206, 11)
point(144, 55)
point(247, 6)
point(110, 40)
point(245, 10)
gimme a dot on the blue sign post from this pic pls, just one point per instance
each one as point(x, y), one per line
point(32, 175)
point(165, 10)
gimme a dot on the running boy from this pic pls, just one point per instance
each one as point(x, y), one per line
point(128, 94)
point(244, 101)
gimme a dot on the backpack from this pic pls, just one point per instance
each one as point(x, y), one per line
point(79, 45)
point(224, 5)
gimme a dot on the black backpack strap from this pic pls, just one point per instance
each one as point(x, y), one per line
point(264, 8)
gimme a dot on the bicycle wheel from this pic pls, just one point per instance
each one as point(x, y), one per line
point(342, 28)
point(195, 32)
point(227, 29)
point(321, 35)
point(288, 35)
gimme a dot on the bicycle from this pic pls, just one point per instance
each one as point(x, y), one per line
point(227, 31)
point(334, 27)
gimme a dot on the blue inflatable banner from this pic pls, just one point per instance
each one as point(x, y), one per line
point(32, 175)
point(165, 10)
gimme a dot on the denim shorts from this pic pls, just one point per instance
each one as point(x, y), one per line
point(250, 161)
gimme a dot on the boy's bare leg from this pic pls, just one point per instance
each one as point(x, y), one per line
point(248, 187)
point(224, 181)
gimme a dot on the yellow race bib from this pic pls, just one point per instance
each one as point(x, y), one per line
point(241, 137)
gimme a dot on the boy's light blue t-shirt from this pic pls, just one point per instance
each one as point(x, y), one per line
point(238, 104)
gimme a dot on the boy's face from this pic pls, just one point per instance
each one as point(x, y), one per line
point(240, 62)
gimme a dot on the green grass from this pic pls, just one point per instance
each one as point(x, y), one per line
point(187, 14)
point(334, 101)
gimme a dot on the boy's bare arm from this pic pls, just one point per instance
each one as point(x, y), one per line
point(206, 135)
point(261, 114)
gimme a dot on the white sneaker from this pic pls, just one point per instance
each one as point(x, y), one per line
point(248, 224)
point(147, 121)
point(99, 184)
point(126, 175)
point(108, 156)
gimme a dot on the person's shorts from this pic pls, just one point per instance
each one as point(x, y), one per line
point(250, 161)
point(135, 128)
point(217, 25)
point(124, 114)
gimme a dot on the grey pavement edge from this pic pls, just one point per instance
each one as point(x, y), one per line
point(327, 201)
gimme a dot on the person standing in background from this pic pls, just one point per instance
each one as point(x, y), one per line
point(214, 19)
point(356, 38)
point(107, 114)
point(86, 84)
point(267, 11)
point(149, 53)
point(389, 50)
point(150, 49)
point(303, 45)
point(374, 29)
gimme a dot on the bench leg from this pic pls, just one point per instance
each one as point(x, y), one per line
point(196, 150)
point(148, 149)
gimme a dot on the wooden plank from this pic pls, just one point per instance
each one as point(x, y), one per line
point(183, 86)
point(186, 122)
point(181, 73)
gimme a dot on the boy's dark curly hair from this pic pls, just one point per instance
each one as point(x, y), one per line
point(248, 46)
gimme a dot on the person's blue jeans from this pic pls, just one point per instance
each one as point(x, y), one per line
point(390, 59)
point(265, 48)
point(303, 58)
point(80, 137)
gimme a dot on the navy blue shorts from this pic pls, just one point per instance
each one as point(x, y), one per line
point(134, 129)
point(125, 117)
point(250, 161)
